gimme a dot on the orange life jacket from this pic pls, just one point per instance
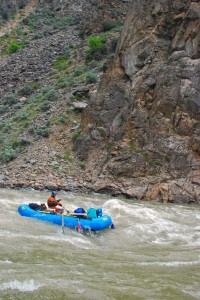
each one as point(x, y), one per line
point(52, 201)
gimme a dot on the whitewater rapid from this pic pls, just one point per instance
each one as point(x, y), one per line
point(153, 253)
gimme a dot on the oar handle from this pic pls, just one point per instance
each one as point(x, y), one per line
point(66, 209)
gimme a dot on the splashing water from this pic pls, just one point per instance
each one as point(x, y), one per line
point(153, 253)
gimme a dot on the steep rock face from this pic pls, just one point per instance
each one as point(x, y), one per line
point(142, 126)
point(34, 65)
point(7, 7)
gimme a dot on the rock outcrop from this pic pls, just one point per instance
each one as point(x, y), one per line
point(142, 126)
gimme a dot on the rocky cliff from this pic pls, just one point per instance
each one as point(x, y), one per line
point(141, 130)
point(138, 131)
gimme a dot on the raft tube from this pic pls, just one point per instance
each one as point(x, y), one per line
point(71, 221)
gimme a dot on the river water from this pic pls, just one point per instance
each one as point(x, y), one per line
point(153, 253)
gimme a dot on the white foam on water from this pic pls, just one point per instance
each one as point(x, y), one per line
point(198, 215)
point(192, 293)
point(134, 212)
point(6, 262)
point(76, 239)
point(25, 286)
point(6, 233)
point(164, 224)
point(171, 264)
point(79, 241)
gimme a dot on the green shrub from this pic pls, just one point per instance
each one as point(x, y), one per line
point(17, 106)
point(79, 71)
point(92, 64)
point(96, 47)
point(10, 99)
point(32, 129)
point(51, 95)
point(76, 134)
point(67, 155)
point(21, 116)
point(38, 36)
point(96, 53)
point(145, 155)
point(61, 119)
point(74, 98)
point(82, 165)
point(164, 180)
point(42, 131)
point(81, 34)
point(23, 142)
point(23, 43)
point(28, 22)
point(35, 85)
point(14, 47)
point(25, 90)
point(18, 31)
point(167, 158)
point(108, 25)
point(117, 29)
point(35, 99)
point(71, 20)
point(61, 83)
point(118, 12)
point(132, 146)
point(91, 77)
point(44, 17)
point(46, 105)
point(5, 126)
point(8, 153)
point(62, 62)
point(14, 143)
point(3, 109)
point(96, 41)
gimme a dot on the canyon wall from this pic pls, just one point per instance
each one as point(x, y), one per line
point(141, 131)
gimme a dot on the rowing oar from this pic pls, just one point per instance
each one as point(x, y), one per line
point(63, 220)
point(63, 223)
point(66, 209)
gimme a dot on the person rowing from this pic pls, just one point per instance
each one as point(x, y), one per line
point(54, 204)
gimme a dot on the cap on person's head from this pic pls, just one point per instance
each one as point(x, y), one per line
point(53, 193)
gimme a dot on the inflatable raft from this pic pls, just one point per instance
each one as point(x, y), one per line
point(73, 220)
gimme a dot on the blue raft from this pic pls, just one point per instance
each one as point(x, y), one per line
point(69, 220)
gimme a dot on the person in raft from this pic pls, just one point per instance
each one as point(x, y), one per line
point(53, 203)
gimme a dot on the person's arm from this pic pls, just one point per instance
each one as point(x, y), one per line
point(58, 202)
